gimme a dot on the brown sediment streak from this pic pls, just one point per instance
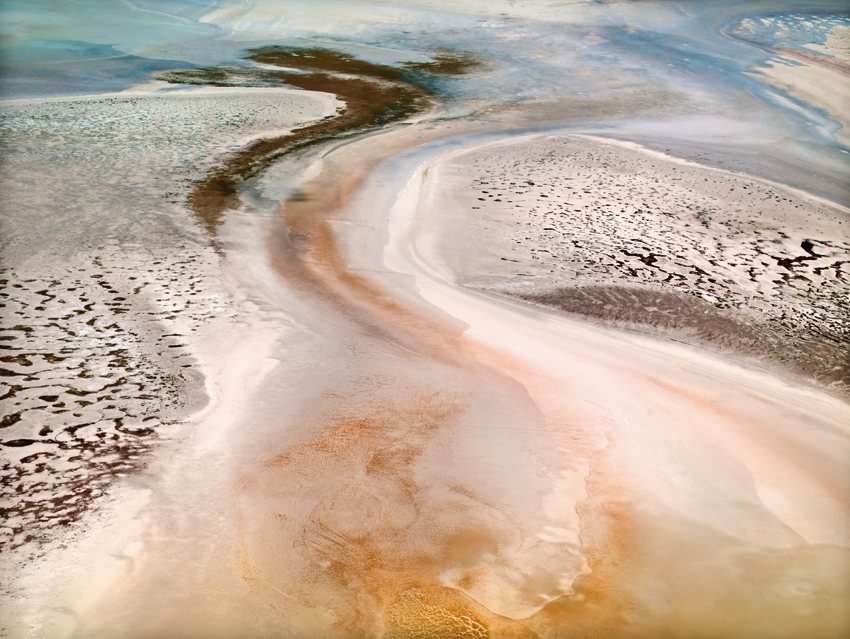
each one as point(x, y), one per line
point(374, 95)
point(307, 254)
point(809, 57)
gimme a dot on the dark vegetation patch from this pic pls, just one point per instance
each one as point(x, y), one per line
point(375, 95)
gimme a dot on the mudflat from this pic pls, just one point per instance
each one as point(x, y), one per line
point(626, 236)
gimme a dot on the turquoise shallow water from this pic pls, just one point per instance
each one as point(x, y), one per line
point(537, 52)
point(666, 69)
point(80, 47)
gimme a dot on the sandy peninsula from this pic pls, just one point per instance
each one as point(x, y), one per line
point(610, 231)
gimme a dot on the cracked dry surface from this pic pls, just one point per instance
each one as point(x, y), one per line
point(636, 239)
point(413, 616)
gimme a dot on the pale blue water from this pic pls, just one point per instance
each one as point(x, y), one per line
point(537, 51)
point(79, 47)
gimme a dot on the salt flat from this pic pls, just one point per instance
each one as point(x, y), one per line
point(448, 355)
point(112, 298)
point(466, 462)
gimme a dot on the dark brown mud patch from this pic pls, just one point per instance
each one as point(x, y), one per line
point(375, 95)
point(801, 350)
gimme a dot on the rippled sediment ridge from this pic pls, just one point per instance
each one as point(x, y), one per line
point(382, 282)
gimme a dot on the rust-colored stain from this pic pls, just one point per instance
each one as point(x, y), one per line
point(340, 523)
